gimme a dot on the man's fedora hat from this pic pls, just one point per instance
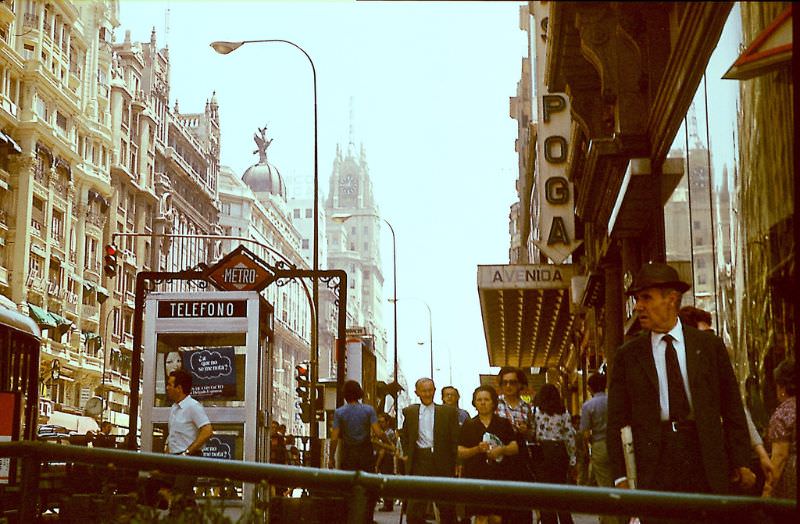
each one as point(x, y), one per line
point(657, 275)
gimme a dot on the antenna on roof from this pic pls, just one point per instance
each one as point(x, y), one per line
point(351, 141)
point(166, 27)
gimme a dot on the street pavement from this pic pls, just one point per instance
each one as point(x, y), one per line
point(394, 517)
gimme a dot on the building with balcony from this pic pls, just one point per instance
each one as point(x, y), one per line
point(55, 184)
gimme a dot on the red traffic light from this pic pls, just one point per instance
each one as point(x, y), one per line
point(111, 250)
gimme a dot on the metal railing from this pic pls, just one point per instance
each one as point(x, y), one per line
point(357, 485)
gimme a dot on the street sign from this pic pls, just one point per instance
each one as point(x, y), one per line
point(241, 270)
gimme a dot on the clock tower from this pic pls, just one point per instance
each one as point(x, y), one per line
point(354, 245)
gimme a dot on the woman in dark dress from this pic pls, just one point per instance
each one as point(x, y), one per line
point(485, 440)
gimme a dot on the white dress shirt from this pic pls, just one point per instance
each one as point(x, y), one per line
point(425, 436)
point(659, 355)
point(185, 419)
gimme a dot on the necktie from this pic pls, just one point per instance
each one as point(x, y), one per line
point(678, 401)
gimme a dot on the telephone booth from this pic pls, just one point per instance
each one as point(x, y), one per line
point(223, 339)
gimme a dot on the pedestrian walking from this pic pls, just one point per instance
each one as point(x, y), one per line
point(594, 413)
point(486, 443)
point(430, 439)
point(512, 407)
point(450, 397)
point(189, 430)
point(782, 435)
point(674, 385)
point(556, 436)
point(353, 424)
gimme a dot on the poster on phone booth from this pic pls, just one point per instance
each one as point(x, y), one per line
point(213, 371)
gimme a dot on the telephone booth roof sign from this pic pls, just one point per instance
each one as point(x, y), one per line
point(240, 270)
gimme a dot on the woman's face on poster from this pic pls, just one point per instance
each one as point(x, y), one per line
point(173, 362)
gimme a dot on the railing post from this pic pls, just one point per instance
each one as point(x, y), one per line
point(357, 509)
point(30, 488)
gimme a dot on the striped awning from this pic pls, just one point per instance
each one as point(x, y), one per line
point(526, 314)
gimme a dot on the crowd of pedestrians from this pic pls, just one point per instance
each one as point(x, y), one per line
point(673, 386)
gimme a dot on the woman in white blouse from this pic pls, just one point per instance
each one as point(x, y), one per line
point(556, 435)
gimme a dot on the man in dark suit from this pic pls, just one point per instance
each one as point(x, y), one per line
point(674, 385)
point(430, 438)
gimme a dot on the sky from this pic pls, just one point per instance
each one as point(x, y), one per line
point(423, 86)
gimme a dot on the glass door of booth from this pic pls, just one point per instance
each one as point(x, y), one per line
point(216, 337)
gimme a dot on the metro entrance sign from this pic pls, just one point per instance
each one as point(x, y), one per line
point(240, 270)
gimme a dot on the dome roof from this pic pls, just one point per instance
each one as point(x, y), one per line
point(265, 178)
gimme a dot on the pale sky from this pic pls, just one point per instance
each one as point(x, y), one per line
point(430, 84)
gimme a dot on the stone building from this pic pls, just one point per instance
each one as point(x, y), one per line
point(55, 163)
point(354, 244)
point(89, 148)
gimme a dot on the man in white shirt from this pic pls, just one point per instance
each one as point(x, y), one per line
point(189, 427)
point(430, 438)
point(675, 386)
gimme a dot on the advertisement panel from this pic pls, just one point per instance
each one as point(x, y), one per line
point(213, 371)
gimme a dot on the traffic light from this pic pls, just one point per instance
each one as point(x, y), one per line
point(110, 261)
point(319, 403)
point(303, 378)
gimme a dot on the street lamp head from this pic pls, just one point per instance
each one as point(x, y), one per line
point(340, 217)
point(224, 48)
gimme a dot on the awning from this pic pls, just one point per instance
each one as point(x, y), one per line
point(62, 324)
point(6, 139)
point(74, 423)
point(526, 314)
point(42, 317)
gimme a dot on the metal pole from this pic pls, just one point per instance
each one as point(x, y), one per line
point(394, 300)
point(430, 325)
point(225, 48)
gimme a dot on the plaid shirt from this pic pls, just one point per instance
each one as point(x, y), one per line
point(524, 412)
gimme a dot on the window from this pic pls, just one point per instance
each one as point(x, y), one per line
point(296, 213)
point(366, 246)
point(305, 243)
point(309, 213)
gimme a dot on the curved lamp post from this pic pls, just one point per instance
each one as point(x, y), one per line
point(430, 326)
point(223, 48)
point(341, 218)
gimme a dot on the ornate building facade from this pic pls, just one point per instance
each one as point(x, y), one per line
point(354, 244)
point(90, 148)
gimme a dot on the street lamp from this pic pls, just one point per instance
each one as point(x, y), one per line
point(430, 327)
point(342, 218)
point(223, 48)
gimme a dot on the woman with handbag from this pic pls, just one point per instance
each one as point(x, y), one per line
point(556, 436)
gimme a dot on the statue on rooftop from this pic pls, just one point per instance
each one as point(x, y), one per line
point(262, 143)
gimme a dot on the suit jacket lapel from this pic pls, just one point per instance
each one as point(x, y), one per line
point(644, 353)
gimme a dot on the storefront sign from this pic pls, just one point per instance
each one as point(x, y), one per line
point(213, 371)
point(202, 308)
point(533, 276)
point(555, 231)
